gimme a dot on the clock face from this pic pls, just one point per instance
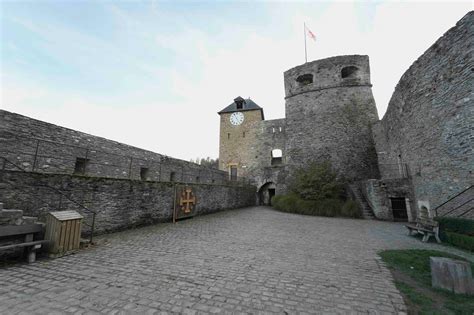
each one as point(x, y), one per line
point(237, 118)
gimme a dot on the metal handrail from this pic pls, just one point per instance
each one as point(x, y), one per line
point(452, 210)
point(94, 213)
point(467, 211)
point(450, 199)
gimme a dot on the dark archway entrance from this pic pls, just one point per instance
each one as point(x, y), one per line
point(399, 209)
point(266, 193)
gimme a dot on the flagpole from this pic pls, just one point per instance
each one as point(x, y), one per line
point(304, 33)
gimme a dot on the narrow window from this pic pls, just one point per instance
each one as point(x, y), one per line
point(172, 176)
point(273, 129)
point(349, 72)
point(198, 179)
point(233, 172)
point(304, 79)
point(213, 181)
point(280, 129)
point(228, 136)
point(243, 134)
point(144, 171)
point(80, 166)
point(277, 157)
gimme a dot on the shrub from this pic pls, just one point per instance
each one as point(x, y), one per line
point(460, 240)
point(316, 190)
point(351, 209)
point(316, 182)
point(327, 207)
point(457, 225)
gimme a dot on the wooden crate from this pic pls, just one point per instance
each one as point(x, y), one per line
point(63, 229)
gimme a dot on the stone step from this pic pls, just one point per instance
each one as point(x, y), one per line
point(366, 211)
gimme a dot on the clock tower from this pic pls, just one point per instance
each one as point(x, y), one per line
point(238, 137)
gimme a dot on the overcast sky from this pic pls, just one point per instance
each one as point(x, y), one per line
point(154, 74)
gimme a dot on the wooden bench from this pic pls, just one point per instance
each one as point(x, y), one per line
point(425, 227)
point(29, 244)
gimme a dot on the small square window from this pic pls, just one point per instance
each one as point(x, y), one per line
point(172, 176)
point(277, 157)
point(80, 166)
point(144, 171)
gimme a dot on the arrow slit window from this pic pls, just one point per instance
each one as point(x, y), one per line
point(233, 172)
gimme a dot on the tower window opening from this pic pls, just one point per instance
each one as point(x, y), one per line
point(243, 134)
point(239, 102)
point(144, 172)
point(304, 79)
point(80, 166)
point(228, 136)
point(172, 176)
point(349, 72)
point(277, 157)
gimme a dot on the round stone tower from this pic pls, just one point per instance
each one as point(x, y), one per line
point(329, 112)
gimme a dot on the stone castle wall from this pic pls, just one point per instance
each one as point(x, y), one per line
point(119, 203)
point(429, 121)
point(330, 118)
point(38, 146)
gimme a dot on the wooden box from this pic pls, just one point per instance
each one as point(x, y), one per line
point(63, 230)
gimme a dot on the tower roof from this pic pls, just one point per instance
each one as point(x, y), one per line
point(240, 105)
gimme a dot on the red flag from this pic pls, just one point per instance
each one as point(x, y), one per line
point(311, 34)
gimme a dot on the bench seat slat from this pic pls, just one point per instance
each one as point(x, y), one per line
point(24, 244)
point(20, 229)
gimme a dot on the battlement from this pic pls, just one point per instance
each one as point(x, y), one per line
point(339, 71)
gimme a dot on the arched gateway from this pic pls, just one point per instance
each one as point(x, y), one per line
point(266, 193)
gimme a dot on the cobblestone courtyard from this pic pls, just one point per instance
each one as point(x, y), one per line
point(252, 260)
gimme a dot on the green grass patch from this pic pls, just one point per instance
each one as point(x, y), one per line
point(412, 273)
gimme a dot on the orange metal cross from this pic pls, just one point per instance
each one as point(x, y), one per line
point(187, 200)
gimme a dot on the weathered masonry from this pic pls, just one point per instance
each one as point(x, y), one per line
point(419, 157)
point(119, 203)
point(44, 167)
point(38, 146)
point(427, 133)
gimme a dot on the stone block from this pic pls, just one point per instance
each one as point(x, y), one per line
point(11, 214)
point(30, 220)
point(452, 275)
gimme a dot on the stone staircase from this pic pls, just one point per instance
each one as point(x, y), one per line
point(367, 212)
